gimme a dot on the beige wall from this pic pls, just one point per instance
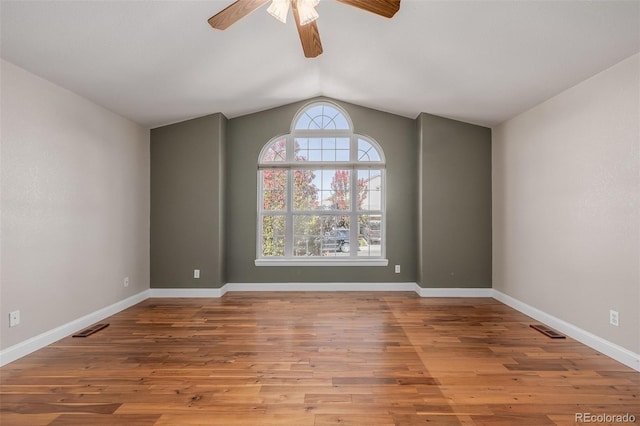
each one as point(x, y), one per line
point(75, 206)
point(566, 212)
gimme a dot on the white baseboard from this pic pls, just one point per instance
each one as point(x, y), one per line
point(187, 292)
point(610, 349)
point(454, 292)
point(620, 354)
point(331, 286)
point(32, 344)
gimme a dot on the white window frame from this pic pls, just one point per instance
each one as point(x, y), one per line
point(353, 165)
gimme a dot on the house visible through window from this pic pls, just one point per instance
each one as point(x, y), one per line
point(321, 193)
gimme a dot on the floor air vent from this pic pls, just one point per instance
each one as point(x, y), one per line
point(547, 331)
point(90, 330)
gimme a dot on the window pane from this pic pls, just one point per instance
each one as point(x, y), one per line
point(315, 143)
point(274, 190)
point(304, 122)
point(367, 152)
point(370, 235)
point(370, 189)
point(338, 195)
point(305, 190)
point(315, 155)
point(313, 201)
point(341, 122)
point(335, 189)
point(301, 144)
point(342, 155)
point(273, 230)
point(307, 149)
point(335, 149)
point(321, 149)
point(322, 117)
point(301, 149)
point(335, 238)
point(276, 152)
point(328, 155)
point(306, 235)
point(343, 143)
point(321, 235)
point(321, 189)
point(315, 117)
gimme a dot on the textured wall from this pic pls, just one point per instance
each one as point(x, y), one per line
point(245, 138)
point(566, 205)
point(455, 204)
point(75, 206)
point(438, 192)
point(187, 203)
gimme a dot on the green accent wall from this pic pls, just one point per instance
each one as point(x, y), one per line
point(187, 204)
point(204, 206)
point(245, 138)
point(455, 204)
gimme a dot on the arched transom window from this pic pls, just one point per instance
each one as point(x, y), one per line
point(321, 193)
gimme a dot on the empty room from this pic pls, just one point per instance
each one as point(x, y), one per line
point(303, 212)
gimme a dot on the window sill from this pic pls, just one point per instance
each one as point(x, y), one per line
point(321, 262)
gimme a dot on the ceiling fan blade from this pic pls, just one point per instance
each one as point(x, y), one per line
point(309, 35)
point(386, 8)
point(233, 13)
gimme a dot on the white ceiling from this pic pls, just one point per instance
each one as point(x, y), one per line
point(159, 62)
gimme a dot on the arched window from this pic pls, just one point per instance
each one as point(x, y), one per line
point(321, 193)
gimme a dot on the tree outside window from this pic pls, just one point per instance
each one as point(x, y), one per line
point(306, 198)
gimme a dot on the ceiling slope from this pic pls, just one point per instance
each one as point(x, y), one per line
point(159, 62)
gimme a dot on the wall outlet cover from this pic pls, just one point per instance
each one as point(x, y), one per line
point(14, 318)
point(614, 318)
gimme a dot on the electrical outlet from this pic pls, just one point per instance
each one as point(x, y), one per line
point(14, 318)
point(126, 282)
point(614, 318)
point(196, 273)
point(397, 269)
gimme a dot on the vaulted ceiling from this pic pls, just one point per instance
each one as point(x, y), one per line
point(159, 62)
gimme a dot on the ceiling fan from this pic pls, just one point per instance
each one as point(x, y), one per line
point(304, 14)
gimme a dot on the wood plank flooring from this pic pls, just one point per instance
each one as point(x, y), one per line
point(315, 359)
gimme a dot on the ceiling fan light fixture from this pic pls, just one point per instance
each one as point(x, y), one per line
point(279, 9)
point(307, 11)
point(304, 13)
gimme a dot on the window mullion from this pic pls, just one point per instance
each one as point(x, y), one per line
point(355, 226)
point(288, 240)
point(259, 249)
point(287, 213)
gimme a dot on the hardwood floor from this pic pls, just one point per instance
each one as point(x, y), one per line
point(315, 359)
